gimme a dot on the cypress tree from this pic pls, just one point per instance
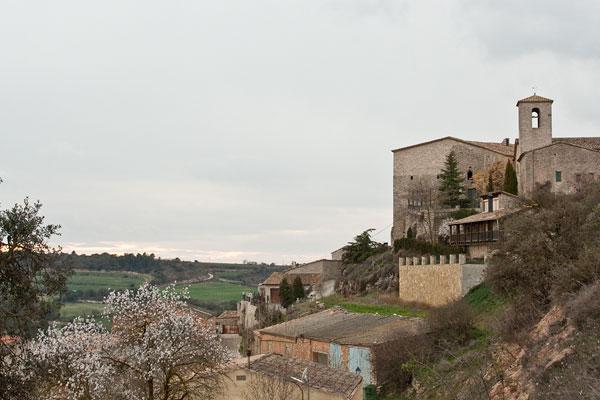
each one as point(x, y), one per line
point(511, 184)
point(490, 184)
point(451, 181)
point(285, 293)
point(298, 288)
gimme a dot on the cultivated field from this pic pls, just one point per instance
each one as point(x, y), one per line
point(80, 309)
point(217, 292)
point(94, 280)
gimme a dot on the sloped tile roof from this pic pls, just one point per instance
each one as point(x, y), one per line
point(319, 376)
point(308, 279)
point(502, 148)
point(507, 150)
point(590, 143)
point(484, 216)
point(273, 279)
point(343, 327)
point(228, 314)
point(535, 99)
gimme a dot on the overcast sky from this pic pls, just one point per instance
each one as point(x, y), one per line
point(226, 130)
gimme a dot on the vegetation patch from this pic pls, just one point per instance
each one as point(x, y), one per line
point(216, 292)
point(69, 311)
point(482, 299)
point(358, 306)
point(93, 280)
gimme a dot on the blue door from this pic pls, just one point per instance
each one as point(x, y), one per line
point(359, 361)
point(335, 355)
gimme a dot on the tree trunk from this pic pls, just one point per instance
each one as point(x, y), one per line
point(150, 389)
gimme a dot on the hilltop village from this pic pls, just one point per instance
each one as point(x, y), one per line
point(487, 289)
point(339, 353)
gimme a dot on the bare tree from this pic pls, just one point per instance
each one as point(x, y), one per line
point(426, 200)
point(265, 387)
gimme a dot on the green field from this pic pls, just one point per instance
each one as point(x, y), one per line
point(361, 305)
point(80, 309)
point(86, 280)
point(216, 292)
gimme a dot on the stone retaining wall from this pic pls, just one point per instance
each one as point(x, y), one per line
point(435, 283)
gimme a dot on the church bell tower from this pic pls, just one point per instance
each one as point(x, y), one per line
point(535, 123)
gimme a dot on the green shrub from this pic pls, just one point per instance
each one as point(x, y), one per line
point(421, 247)
point(453, 323)
point(463, 213)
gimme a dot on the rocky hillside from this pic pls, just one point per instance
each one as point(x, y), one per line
point(378, 272)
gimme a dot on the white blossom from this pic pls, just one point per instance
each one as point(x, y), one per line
point(157, 349)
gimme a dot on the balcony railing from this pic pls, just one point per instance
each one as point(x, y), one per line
point(461, 239)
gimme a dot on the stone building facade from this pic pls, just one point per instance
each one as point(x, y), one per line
point(249, 377)
point(338, 339)
point(416, 172)
point(566, 164)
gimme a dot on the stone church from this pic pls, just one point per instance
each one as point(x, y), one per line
point(565, 163)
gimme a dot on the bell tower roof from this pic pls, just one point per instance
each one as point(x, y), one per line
point(535, 99)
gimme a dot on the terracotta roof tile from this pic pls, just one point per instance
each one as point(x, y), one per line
point(308, 279)
point(506, 149)
point(228, 314)
point(590, 143)
point(535, 99)
point(273, 279)
point(343, 327)
point(319, 376)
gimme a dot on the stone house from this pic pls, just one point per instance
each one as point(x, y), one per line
point(566, 164)
point(228, 322)
point(318, 278)
point(338, 254)
point(477, 233)
point(337, 338)
point(322, 382)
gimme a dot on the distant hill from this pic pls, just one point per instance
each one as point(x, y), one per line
point(171, 270)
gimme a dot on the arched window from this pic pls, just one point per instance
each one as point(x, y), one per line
point(535, 118)
point(470, 174)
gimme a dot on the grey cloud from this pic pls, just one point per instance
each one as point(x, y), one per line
point(513, 28)
point(232, 127)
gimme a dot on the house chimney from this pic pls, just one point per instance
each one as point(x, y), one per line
point(490, 202)
point(506, 141)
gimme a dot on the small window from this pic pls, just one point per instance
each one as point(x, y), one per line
point(321, 358)
point(558, 176)
point(240, 377)
point(535, 118)
point(411, 177)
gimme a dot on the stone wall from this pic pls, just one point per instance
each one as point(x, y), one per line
point(237, 379)
point(247, 314)
point(426, 281)
point(539, 166)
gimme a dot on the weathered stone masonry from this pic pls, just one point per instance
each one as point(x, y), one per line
point(426, 281)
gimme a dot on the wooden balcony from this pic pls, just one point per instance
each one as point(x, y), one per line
point(474, 237)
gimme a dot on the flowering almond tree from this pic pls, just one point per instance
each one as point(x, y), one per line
point(65, 363)
point(156, 350)
point(164, 352)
